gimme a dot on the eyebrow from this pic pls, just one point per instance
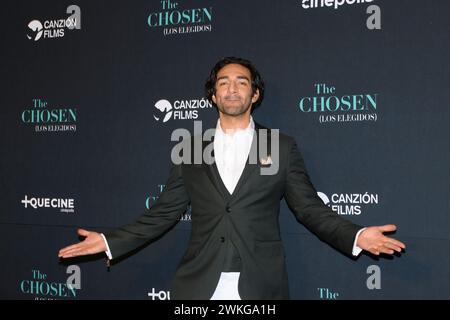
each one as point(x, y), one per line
point(239, 77)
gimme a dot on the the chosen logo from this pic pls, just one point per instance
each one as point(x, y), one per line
point(55, 28)
point(327, 294)
point(64, 205)
point(45, 118)
point(348, 203)
point(43, 288)
point(186, 109)
point(176, 19)
point(331, 107)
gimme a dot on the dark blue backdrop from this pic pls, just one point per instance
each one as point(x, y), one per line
point(378, 151)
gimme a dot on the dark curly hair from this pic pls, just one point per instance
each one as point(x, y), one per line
point(257, 81)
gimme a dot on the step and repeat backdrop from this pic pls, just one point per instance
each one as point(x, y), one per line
point(92, 90)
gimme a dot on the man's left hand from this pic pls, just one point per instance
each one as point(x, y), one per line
point(373, 240)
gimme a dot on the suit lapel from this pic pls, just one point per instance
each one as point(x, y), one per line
point(250, 166)
point(213, 173)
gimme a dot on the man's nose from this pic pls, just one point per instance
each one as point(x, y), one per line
point(232, 88)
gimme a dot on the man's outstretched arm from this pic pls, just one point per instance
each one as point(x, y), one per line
point(309, 209)
point(153, 223)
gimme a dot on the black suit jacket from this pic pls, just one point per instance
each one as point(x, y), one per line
point(246, 221)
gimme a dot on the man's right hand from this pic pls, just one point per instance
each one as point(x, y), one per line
point(93, 243)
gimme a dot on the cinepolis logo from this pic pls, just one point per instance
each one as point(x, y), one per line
point(65, 205)
point(373, 21)
point(180, 110)
point(348, 203)
point(55, 28)
point(336, 4)
point(177, 20)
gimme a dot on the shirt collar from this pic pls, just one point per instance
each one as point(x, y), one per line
point(249, 130)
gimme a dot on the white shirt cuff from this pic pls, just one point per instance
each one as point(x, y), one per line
point(108, 252)
point(357, 250)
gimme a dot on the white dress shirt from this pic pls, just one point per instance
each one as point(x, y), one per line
point(231, 152)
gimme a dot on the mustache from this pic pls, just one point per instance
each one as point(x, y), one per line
point(232, 97)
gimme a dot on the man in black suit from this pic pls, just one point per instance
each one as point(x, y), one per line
point(235, 250)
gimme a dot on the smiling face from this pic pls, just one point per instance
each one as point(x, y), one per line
point(234, 95)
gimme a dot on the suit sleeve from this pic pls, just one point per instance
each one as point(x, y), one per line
point(164, 214)
point(309, 209)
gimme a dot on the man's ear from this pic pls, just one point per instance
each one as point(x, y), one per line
point(255, 96)
point(213, 97)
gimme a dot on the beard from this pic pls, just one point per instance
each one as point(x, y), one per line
point(233, 107)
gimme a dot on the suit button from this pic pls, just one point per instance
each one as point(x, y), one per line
point(222, 239)
point(228, 209)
